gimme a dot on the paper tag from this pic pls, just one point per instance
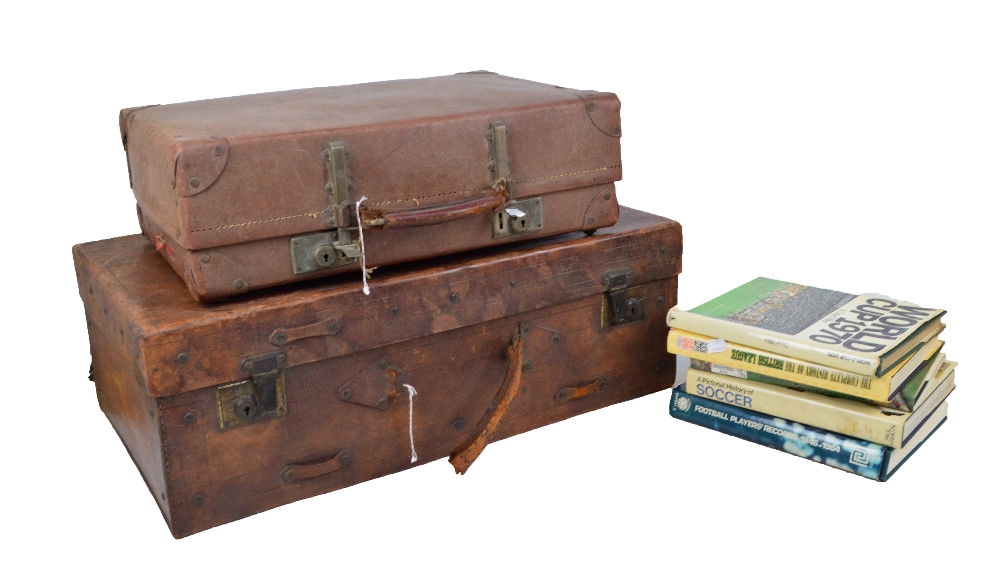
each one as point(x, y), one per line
point(516, 213)
point(710, 347)
point(716, 346)
point(726, 370)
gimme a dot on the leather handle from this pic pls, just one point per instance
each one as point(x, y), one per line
point(569, 393)
point(282, 336)
point(466, 454)
point(496, 198)
point(296, 472)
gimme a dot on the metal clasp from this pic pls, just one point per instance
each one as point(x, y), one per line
point(622, 304)
point(331, 249)
point(260, 397)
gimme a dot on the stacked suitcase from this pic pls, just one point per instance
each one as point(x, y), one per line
point(508, 291)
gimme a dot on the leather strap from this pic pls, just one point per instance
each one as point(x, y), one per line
point(463, 456)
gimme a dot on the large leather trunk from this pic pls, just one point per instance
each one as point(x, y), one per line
point(229, 409)
point(253, 191)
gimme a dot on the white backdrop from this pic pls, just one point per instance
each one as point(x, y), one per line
point(849, 145)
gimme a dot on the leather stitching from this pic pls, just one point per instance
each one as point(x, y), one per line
point(409, 199)
point(313, 214)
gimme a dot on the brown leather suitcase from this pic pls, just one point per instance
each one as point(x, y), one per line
point(253, 191)
point(229, 409)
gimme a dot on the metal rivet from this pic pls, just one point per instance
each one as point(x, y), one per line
point(239, 283)
point(204, 258)
point(590, 107)
point(182, 358)
point(591, 221)
point(513, 284)
point(616, 130)
point(345, 393)
point(382, 403)
point(663, 249)
point(659, 367)
point(453, 297)
point(345, 457)
point(526, 366)
point(290, 475)
point(281, 357)
point(190, 417)
point(659, 300)
point(194, 182)
point(332, 327)
point(607, 196)
point(394, 311)
point(555, 338)
point(217, 151)
point(458, 423)
point(280, 337)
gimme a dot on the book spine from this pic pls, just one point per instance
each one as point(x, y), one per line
point(849, 418)
point(759, 365)
point(838, 451)
point(775, 342)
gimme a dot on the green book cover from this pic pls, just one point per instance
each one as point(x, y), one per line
point(867, 334)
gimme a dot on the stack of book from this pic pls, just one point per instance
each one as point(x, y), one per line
point(857, 382)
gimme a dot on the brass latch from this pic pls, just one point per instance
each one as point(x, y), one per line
point(622, 304)
point(517, 216)
point(331, 249)
point(260, 397)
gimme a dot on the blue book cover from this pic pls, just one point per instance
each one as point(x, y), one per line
point(867, 459)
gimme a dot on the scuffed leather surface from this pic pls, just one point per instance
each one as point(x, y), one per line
point(159, 356)
point(412, 143)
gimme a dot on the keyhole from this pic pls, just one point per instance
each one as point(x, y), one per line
point(326, 258)
point(500, 219)
point(631, 309)
point(246, 408)
point(523, 223)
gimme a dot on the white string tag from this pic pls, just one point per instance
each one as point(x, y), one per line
point(413, 449)
point(361, 241)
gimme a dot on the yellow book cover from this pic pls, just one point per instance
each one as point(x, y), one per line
point(851, 418)
point(737, 360)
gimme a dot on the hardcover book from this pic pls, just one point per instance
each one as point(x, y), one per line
point(867, 459)
point(850, 418)
point(728, 358)
point(865, 334)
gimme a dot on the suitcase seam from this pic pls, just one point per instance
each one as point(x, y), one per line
point(315, 214)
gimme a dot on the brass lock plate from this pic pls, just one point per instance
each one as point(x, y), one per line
point(623, 306)
point(258, 398)
point(518, 217)
point(317, 251)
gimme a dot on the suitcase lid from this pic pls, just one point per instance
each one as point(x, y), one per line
point(182, 345)
point(229, 170)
